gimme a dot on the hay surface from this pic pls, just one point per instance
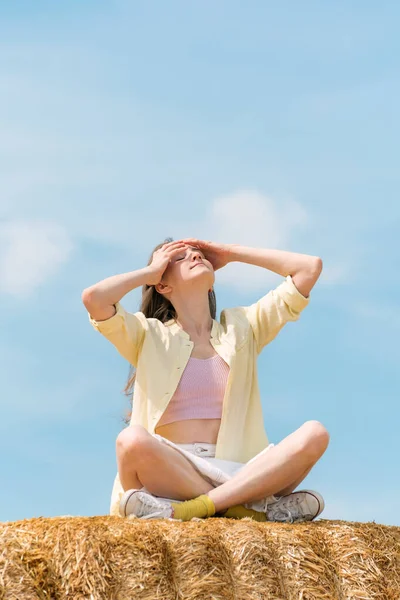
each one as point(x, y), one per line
point(106, 557)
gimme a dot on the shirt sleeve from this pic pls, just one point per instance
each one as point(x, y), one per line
point(125, 330)
point(268, 315)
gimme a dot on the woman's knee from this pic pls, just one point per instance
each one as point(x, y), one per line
point(315, 438)
point(134, 439)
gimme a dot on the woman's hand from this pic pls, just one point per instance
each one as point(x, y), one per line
point(161, 259)
point(219, 255)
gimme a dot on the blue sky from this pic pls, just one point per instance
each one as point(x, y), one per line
point(268, 125)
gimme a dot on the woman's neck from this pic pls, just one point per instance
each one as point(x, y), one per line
point(196, 330)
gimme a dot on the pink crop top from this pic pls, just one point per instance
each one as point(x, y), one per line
point(200, 392)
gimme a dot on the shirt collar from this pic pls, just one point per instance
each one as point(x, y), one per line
point(175, 328)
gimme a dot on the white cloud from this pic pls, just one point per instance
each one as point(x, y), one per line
point(250, 218)
point(30, 253)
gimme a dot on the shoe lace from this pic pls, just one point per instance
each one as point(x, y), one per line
point(149, 502)
point(288, 509)
point(281, 514)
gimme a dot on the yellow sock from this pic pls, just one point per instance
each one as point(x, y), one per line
point(239, 512)
point(200, 507)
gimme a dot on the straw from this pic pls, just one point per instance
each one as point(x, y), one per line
point(107, 557)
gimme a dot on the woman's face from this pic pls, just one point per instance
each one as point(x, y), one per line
point(190, 265)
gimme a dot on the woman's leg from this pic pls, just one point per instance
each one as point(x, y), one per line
point(276, 471)
point(145, 461)
point(290, 488)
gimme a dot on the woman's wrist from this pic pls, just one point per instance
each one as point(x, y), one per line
point(235, 252)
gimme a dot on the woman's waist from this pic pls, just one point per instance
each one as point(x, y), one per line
point(191, 431)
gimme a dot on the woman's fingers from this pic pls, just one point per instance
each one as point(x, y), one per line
point(193, 242)
point(172, 246)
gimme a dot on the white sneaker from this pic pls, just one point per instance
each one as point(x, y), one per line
point(135, 503)
point(304, 505)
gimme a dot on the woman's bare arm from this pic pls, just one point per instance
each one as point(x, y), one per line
point(100, 298)
point(303, 268)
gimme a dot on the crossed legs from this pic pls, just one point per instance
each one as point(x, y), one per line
point(144, 461)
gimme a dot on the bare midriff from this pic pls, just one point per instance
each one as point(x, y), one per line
point(194, 430)
point(191, 430)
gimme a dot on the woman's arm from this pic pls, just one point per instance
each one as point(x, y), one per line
point(303, 268)
point(100, 298)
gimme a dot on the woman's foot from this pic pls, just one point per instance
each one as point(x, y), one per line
point(304, 505)
point(143, 505)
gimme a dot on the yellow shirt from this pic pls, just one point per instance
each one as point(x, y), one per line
point(160, 352)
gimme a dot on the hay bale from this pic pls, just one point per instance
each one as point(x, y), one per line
point(106, 557)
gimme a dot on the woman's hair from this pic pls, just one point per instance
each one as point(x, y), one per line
point(157, 306)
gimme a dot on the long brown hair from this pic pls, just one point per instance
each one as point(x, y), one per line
point(157, 306)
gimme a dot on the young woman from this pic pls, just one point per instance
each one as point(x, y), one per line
point(196, 445)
